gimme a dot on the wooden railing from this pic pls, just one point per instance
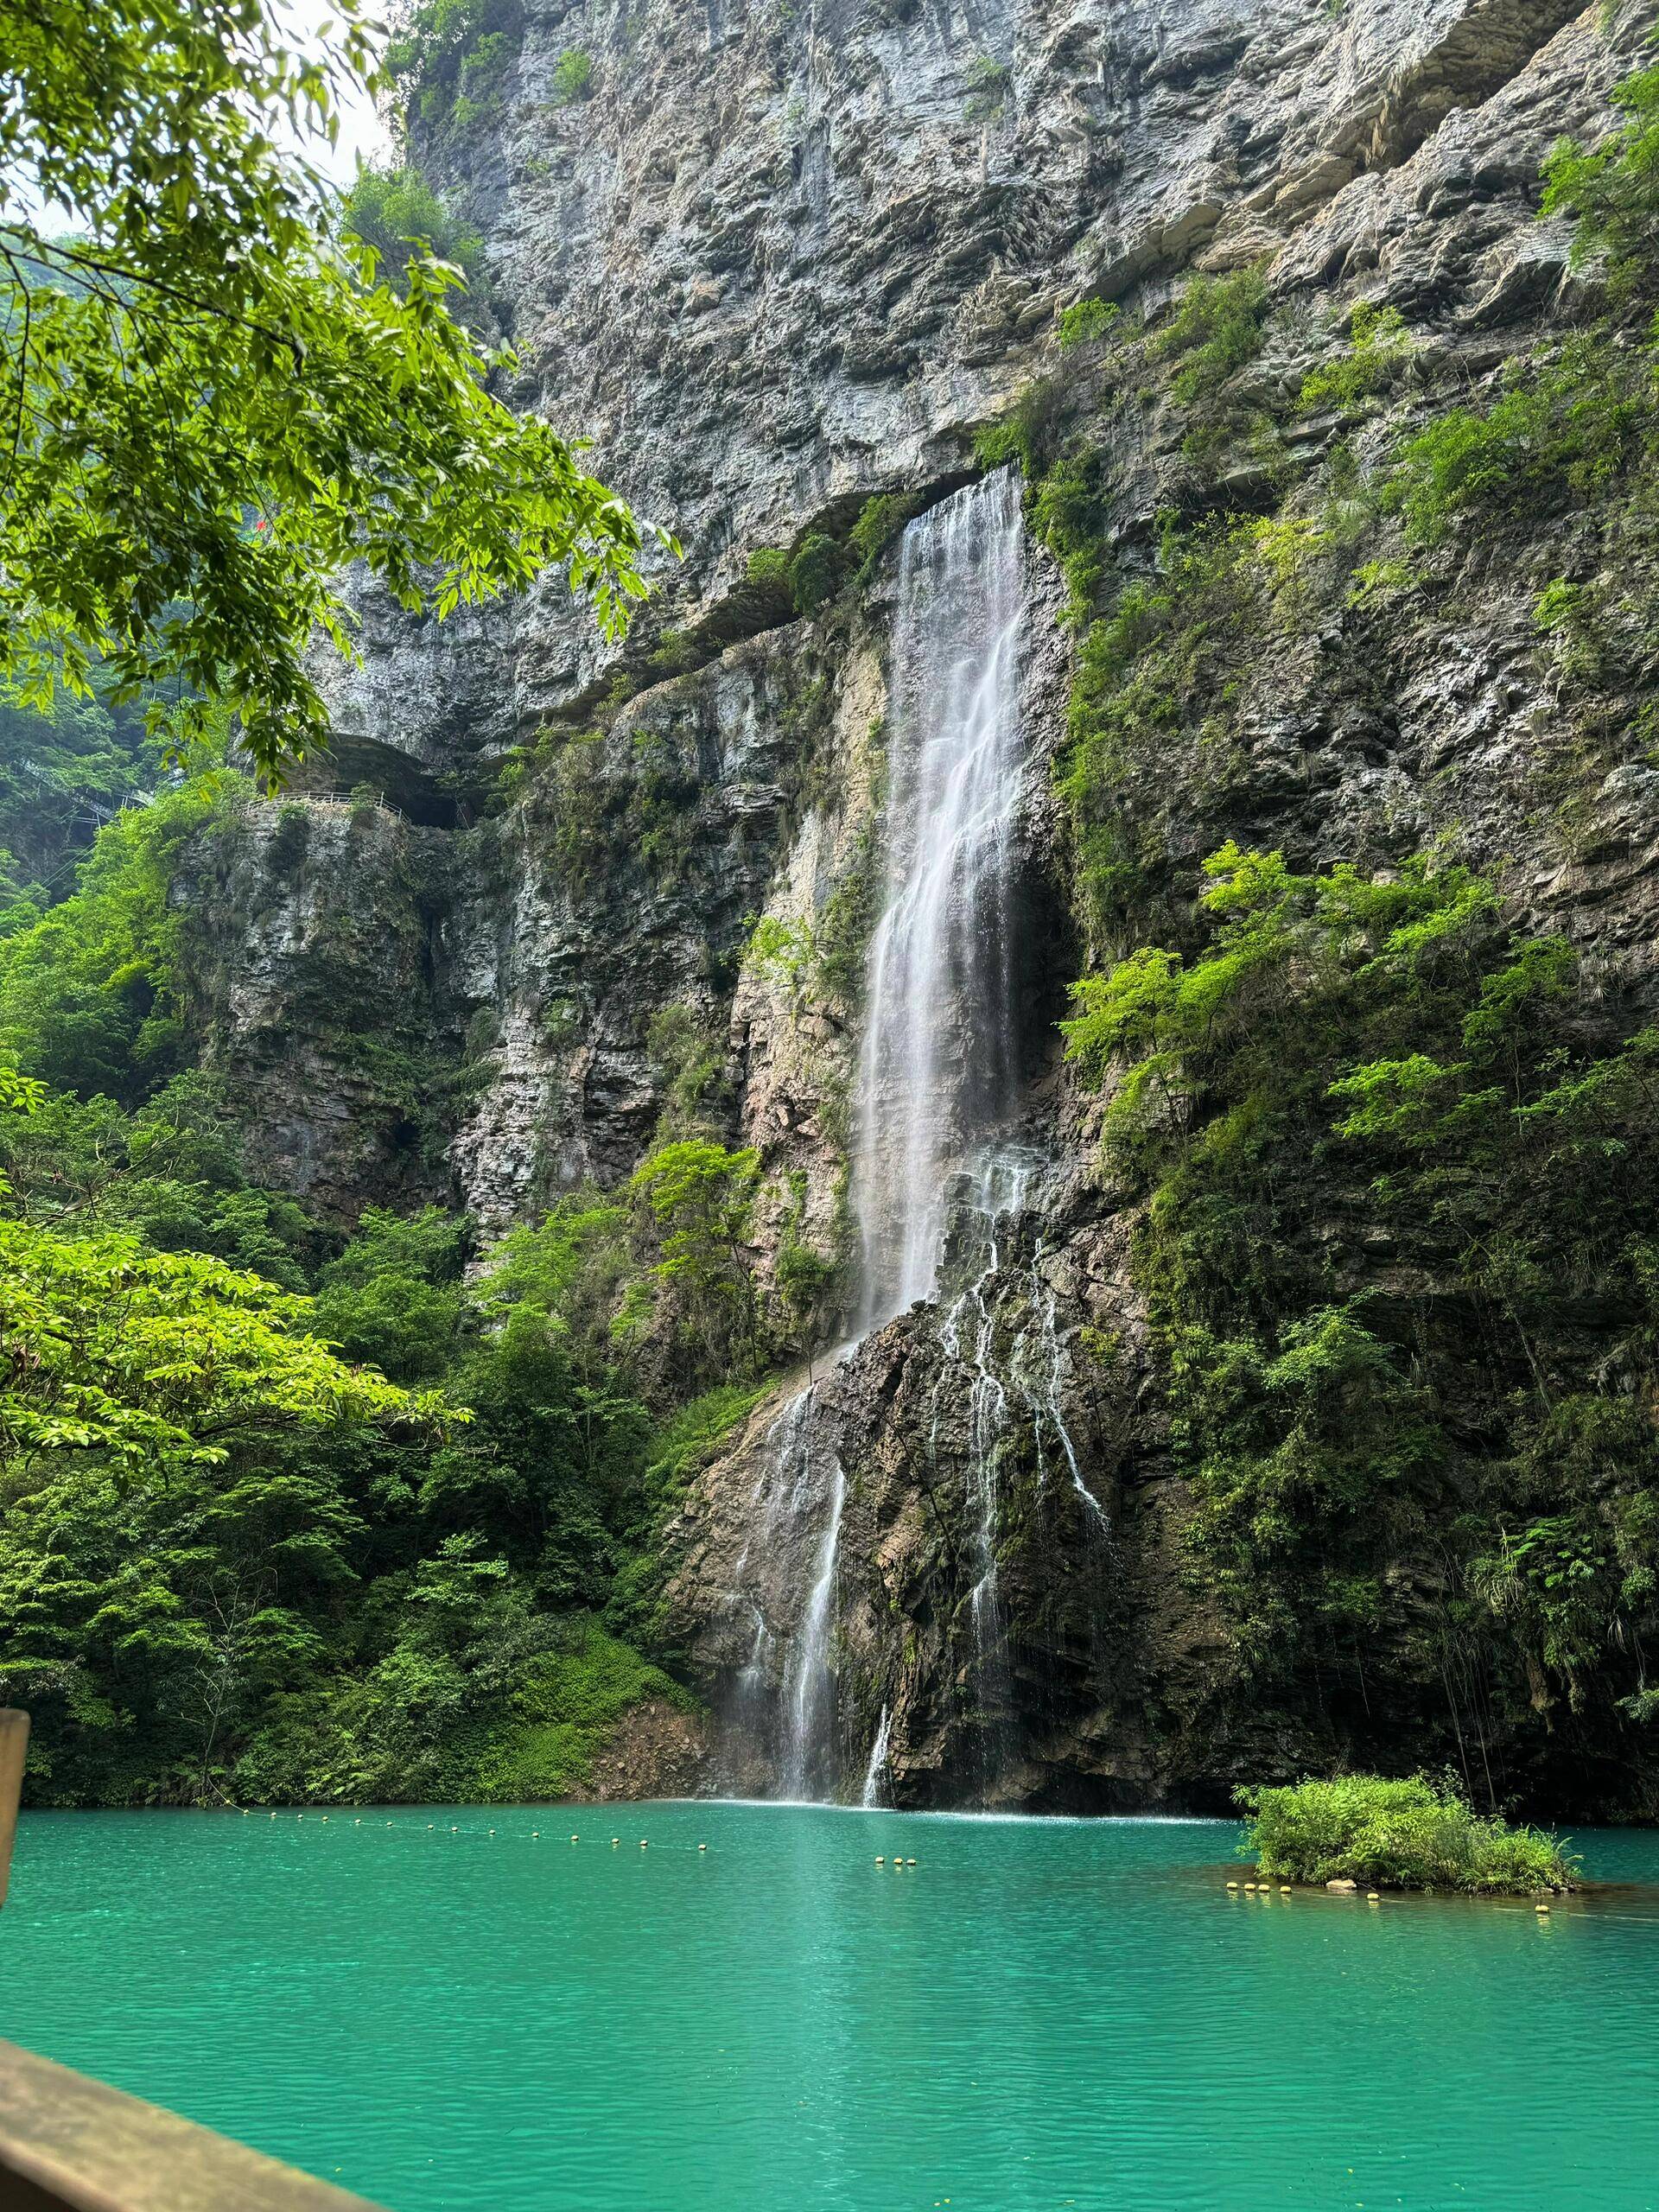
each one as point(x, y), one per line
point(13, 1743)
point(71, 2145)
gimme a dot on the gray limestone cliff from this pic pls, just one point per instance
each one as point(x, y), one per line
point(777, 261)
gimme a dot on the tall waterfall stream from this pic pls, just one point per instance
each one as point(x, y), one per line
point(937, 1075)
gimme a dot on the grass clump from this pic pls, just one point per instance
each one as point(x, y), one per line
point(1411, 1835)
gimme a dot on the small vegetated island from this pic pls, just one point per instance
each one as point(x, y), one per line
point(1410, 1834)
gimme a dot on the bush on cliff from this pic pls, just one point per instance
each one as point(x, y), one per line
point(1412, 1835)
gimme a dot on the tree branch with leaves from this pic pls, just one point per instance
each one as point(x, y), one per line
point(211, 404)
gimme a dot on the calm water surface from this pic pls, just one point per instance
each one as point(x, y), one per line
point(1038, 2014)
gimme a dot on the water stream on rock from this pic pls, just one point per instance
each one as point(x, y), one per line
point(937, 1063)
point(937, 1067)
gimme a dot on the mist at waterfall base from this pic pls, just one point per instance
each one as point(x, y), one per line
point(1041, 2013)
point(933, 1172)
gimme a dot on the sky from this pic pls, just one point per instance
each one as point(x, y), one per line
point(361, 131)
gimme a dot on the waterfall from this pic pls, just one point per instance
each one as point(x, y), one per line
point(996, 1193)
point(937, 1067)
point(876, 1770)
point(936, 1064)
point(811, 1696)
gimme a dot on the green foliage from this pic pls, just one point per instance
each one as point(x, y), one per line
point(768, 566)
point(1558, 430)
point(817, 571)
point(807, 1280)
point(1613, 188)
point(697, 1432)
point(1412, 1835)
point(1171, 641)
point(397, 214)
point(697, 1200)
point(673, 652)
point(90, 996)
point(450, 58)
point(393, 1297)
point(1386, 1046)
point(1085, 322)
point(471, 1694)
point(847, 923)
point(1392, 1161)
point(1217, 329)
point(879, 521)
point(157, 1357)
point(63, 773)
point(168, 1529)
point(572, 76)
point(165, 537)
point(574, 1267)
point(1025, 434)
point(990, 86)
point(1068, 513)
point(690, 1063)
point(170, 1174)
point(785, 952)
point(229, 1560)
point(1379, 346)
point(259, 1569)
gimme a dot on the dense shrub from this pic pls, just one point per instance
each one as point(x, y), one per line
point(572, 76)
point(1414, 1834)
point(1086, 321)
point(396, 211)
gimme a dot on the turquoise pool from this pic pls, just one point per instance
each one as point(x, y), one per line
point(1041, 2013)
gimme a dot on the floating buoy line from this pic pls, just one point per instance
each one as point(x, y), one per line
point(515, 1835)
point(456, 1828)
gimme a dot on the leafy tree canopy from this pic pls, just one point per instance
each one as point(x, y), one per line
point(210, 404)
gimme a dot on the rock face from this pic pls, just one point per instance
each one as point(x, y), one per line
point(775, 261)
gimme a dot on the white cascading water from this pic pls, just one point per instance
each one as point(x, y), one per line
point(810, 1689)
point(937, 1067)
point(937, 1063)
point(876, 1773)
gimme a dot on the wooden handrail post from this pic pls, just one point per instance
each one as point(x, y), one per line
point(13, 1742)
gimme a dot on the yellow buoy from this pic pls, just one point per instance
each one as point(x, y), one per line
point(881, 1858)
point(642, 1843)
point(910, 1862)
point(1541, 1907)
point(1284, 1888)
point(1249, 1885)
point(702, 1846)
point(1371, 1898)
point(1232, 1885)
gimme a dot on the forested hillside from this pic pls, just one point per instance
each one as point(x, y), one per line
point(434, 1185)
